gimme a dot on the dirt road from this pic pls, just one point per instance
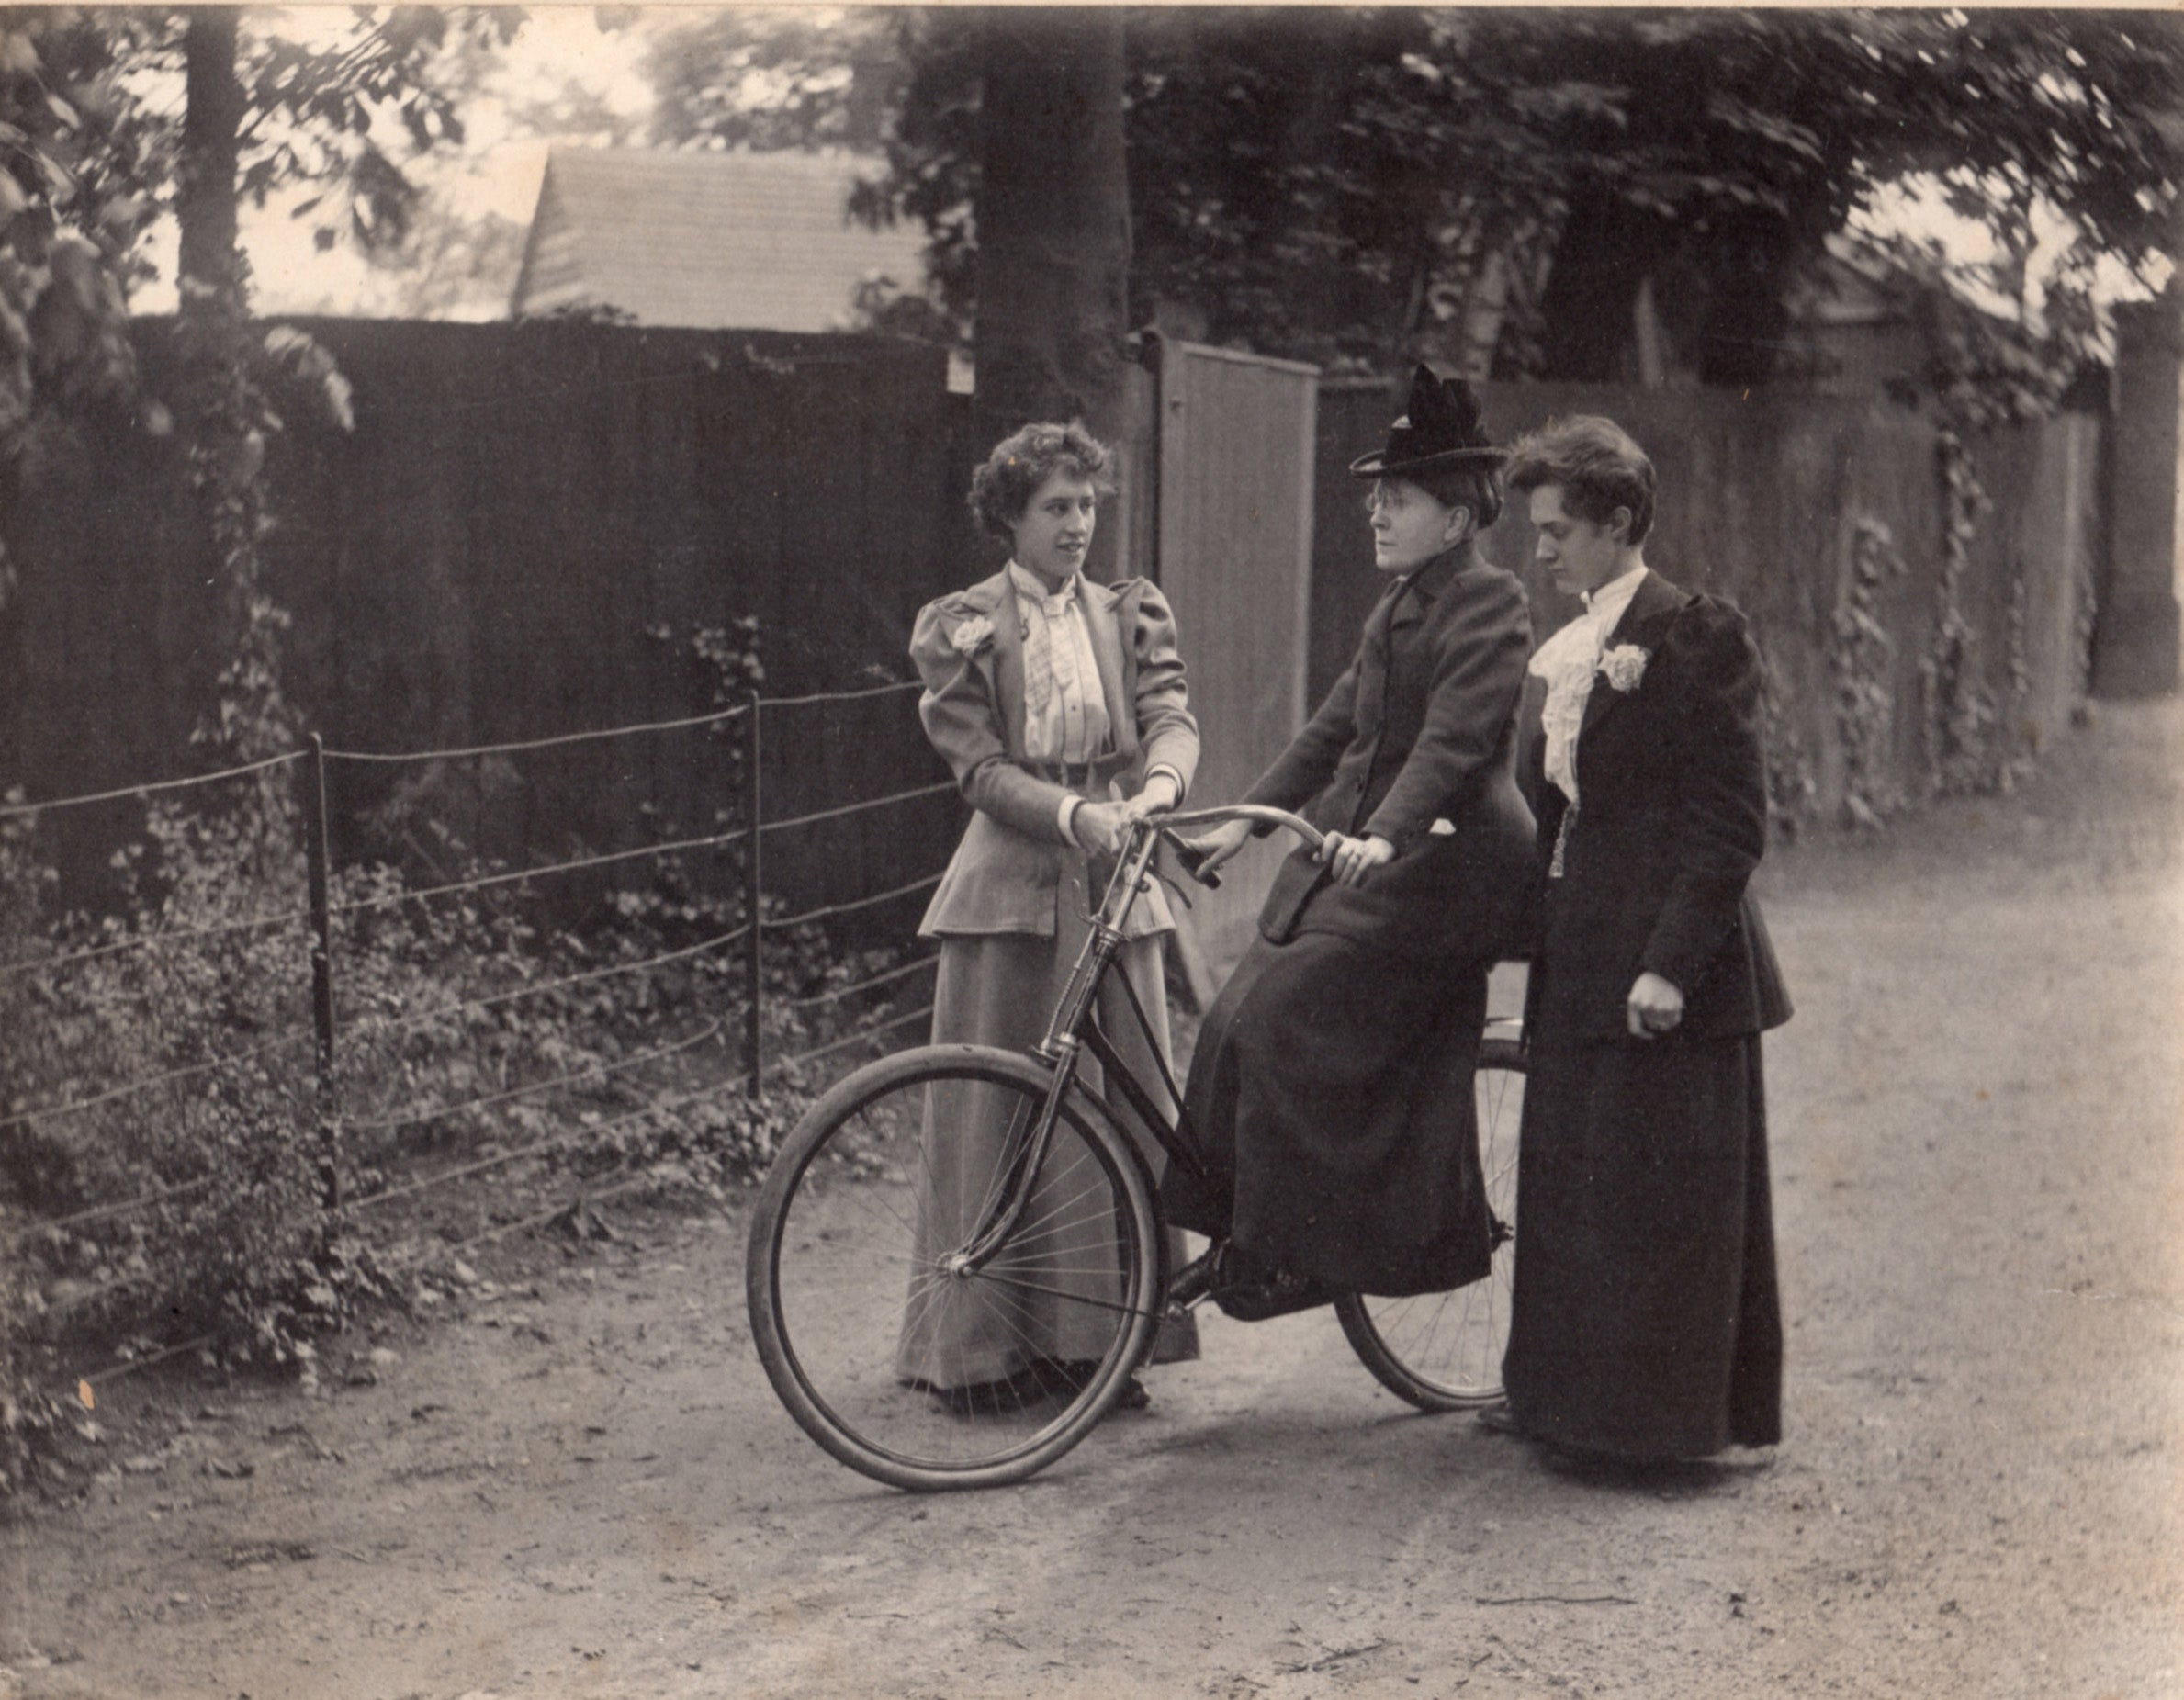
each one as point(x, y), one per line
point(581, 1485)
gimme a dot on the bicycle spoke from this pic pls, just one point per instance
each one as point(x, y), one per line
point(1443, 1350)
point(903, 1362)
point(1117, 1308)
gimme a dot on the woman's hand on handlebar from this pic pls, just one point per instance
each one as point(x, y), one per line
point(1211, 849)
point(1099, 827)
point(1158, 797)
point(1353, 859)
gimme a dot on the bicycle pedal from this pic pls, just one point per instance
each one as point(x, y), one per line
point(1196, 1280)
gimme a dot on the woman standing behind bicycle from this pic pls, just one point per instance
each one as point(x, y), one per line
point(1331, 1092)
point(1060, 706)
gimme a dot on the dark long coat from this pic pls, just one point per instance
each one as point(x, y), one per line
point(1647, 1322)
point(1330, 1096)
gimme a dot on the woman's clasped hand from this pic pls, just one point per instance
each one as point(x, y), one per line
point(1099, 827)
point(1351, 859)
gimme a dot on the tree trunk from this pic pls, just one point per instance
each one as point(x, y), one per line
point(1053, 222)
point(211, 127)
point(1606, 250)
point(222, 411)
point(1718, 298)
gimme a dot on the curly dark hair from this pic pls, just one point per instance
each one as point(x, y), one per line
point(1022, 461)
point(1598, 466)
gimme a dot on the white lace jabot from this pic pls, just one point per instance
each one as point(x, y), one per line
point(1066, 713)
point(1568, 661)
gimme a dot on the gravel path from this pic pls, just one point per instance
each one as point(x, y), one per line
point(581, 1485)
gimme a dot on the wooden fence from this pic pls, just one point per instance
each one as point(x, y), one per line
point(1773, 502)
point(523, 535)
point(531, 524)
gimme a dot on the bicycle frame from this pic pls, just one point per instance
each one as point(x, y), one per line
point(1074, 1027)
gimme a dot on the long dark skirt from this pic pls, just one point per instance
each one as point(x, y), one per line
point(1331, 1099)
point(1000, 990)
point(1647, 1322)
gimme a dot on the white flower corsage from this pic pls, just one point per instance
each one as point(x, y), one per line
point(973, 634)
point(1625, 665)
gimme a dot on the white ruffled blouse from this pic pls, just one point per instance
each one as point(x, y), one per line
point(1569, 662)
point(1066, 713)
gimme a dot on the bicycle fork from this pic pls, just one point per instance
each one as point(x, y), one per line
point(1060, 1047)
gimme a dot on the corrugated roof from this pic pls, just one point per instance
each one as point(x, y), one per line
point(757, 242)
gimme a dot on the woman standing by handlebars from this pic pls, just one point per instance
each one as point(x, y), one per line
point(1060, 705)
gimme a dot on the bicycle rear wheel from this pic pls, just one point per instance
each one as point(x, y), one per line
point(1443, 1351)
point(901, 1365)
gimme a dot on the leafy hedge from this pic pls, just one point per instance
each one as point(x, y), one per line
point(237, 1244)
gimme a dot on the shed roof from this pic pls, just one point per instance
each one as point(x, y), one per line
point(742, 240)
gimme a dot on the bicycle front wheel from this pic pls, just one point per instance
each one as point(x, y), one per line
point(1443, 1351)
point(895, 1357)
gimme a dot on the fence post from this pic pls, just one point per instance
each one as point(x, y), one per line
point(322, 916)
point(754, 944)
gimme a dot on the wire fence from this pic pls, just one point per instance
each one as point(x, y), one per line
point(736, 956)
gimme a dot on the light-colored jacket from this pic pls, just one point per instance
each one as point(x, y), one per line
point(969, 650)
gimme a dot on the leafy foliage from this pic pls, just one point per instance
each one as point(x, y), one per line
point(776, 77)
point(89, 97)
point(1492, 188)
point(473, 1031)
point(1791, 782)
point(217, 1154)
point(72, 209)
point(175, 1165)
point(1968, 744)
point(1862, 660)
point(98, 154)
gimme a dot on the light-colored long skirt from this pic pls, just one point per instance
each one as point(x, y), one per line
point(1000, 989)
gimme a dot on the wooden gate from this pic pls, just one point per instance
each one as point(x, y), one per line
point(1235, 556)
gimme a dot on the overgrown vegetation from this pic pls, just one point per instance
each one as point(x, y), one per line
point(1493, 189)
point(1791, 783)
point(1861, 659)
point(476, 1033)
point(1968, 751)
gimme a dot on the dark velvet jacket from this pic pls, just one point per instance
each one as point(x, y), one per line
point(1672, 819)
point(1420, 729)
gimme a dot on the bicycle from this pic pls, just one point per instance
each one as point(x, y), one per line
point(1067, 1231)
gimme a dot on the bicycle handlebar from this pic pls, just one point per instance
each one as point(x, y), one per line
point(1259, 812)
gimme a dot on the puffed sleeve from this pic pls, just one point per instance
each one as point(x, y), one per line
point(1167, 732)
point(1479, 675)
point(962, 721)
point(1709, 661)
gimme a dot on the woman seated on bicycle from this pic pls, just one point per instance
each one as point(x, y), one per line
point(1331, 1095)
point(1060, 705)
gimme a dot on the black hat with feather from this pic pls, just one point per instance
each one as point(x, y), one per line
point(1439, 432)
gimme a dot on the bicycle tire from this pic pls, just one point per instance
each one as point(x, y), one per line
point(1443, 1351)
point(856, 1319)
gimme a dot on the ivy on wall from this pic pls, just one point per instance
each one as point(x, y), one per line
point(1791, 782)
point(1860, 657)
point(227, 401)
point(2021, 732)
point(1977, 740)
point(1960, 719)
point(2086, 602)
